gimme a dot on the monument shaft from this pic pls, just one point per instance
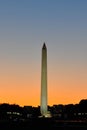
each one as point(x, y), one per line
point(44, 81)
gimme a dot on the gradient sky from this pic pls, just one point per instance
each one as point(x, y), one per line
point(24, 26)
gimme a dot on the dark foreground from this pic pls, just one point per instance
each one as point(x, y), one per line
point(43, 123)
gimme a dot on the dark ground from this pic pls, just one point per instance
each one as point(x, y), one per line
point(42, 123)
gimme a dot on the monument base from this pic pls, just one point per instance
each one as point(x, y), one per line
point(47, 115)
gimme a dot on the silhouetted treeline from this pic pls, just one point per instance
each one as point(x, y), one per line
point(60, 111)
point(70, 111)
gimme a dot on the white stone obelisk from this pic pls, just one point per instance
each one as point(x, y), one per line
point(43, 107)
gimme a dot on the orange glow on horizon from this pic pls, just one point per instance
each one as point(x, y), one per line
point(21, 85)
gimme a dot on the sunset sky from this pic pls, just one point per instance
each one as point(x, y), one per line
point(24, 26)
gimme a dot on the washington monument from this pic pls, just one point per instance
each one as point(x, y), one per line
point(44, 100)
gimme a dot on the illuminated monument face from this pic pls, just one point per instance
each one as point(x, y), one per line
point(43, 107)
point(44, 81)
